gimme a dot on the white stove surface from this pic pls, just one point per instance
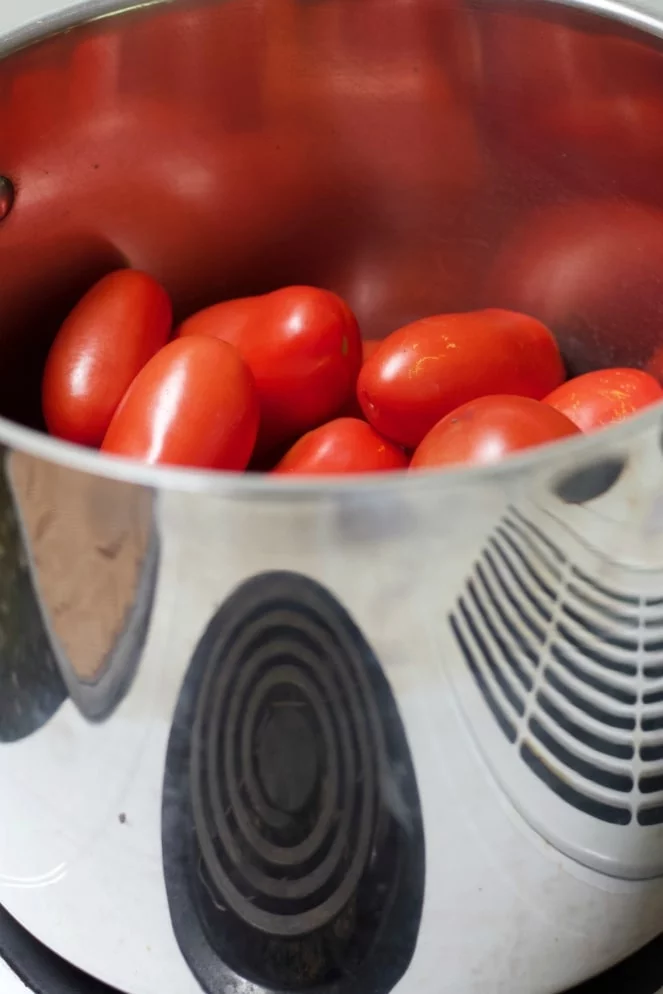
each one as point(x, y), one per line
point(9, 982)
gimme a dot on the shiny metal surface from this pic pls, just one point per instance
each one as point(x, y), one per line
point(414, 156)
point(97, 613)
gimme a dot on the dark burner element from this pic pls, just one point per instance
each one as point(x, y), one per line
point(292, 833)
point(287, 757)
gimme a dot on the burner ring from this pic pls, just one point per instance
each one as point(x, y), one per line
point(277, 854)
point(329, 788)
point(312, 689)
point(276, 752)
point(293, 846)
point(293, 871)
point(284, 857)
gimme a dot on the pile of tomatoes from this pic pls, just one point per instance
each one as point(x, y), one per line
point(282, 382)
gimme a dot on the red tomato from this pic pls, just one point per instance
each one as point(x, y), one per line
point(106, 340)
point(303, 347)
point(194, 404)
point(604, 396)
point(486, 430)
point(345, 445)
point(430, 367)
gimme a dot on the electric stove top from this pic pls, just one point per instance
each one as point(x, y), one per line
point(27, 965)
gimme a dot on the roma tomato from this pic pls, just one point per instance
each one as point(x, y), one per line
point(427, 369)
point(194, 404)
point(345, 445)
point(303, 348)
point(488, 429)
point(106, 340)
point(606, 395)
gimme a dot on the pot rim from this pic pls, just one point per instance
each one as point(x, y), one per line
point(566, 454)
point(554, 459)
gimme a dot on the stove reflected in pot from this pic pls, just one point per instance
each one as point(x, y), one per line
point(415, 156)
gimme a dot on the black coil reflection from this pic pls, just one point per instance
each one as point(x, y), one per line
point(286, 872)
point(292, 834)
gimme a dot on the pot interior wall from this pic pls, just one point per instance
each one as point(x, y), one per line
point(413, 155)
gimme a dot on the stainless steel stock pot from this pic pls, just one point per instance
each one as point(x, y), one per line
point(351, 736)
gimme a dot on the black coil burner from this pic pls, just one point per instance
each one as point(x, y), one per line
point(292, 833)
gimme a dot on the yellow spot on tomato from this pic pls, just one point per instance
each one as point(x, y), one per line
point(421, 362)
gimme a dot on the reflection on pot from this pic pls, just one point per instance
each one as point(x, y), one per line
point(31, 686)
point(392, 284)
point(582, 101)
point(92, 552)
point(591, 271)
point(389, 84)
point(158, 140)
point(232, 148)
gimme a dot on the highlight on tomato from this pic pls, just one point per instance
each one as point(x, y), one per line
point(194, 404)
point(104, 343)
